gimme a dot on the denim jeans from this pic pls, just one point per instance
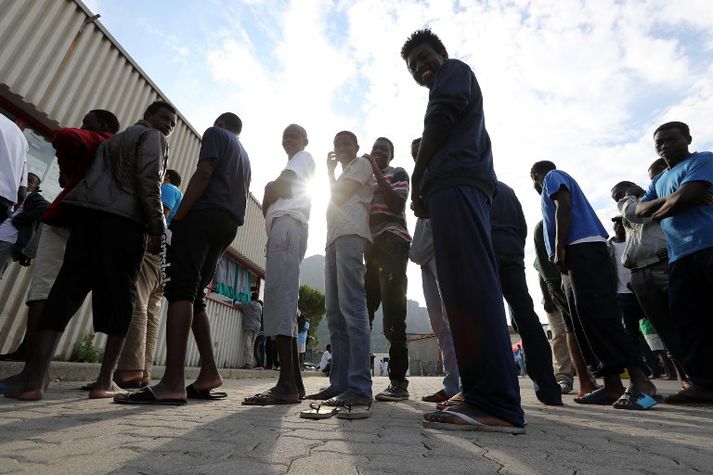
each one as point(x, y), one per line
point(347, 317)
point(439, 323)
point(386, 283)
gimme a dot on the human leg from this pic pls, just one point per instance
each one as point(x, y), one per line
point(440, 326)
point(470, 287)
point(534, 341)
point(564, 371)
point(372, 284)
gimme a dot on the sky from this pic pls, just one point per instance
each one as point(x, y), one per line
point(581, 83)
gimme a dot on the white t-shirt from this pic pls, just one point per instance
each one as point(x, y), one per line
point(623, 275)
point(302, 165)
point(13, 159)
point(352, 218)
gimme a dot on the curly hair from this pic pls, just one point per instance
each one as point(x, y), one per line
point(419, 37)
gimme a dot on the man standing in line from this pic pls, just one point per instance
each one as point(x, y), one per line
point(286, 204)
point(347, 317)
point(576, 243)
point(206, 223)
point(509, 232)
point(421, 253)
point(681, 199)
point(114, 207)
point(136, 361)
point(453, 182)
point(13, 166)
point(386, 261)
point(252, 314)
point(75, 149)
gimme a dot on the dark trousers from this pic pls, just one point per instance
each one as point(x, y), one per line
point(691, 306)
point(103, 255)
point(260, 350)
point(591, 293)
point(385, 281)
point(650, 285)
point(511, 269)
point(631, 312)
point(468, 278)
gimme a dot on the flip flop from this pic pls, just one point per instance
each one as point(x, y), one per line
point(470, 424)
point(597, 397)
point(634, 400)
point(450, 402)
point(4, 388)
point(439, 396)
point(351, 412)
point(318, 411)
point(267, 399)
point(194, 393)
point(147, 396)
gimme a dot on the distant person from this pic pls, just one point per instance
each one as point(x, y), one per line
point(325, 362)
point(207, 221)
point(452, 183)
point(13, 166)
point(252, 315)
point(137, 356)
point(116, 214)
point(509, 233)
point(302, 339)
point(576, 243)
point(681, 199)
point(422, 253)
point(75, 149)
point(386, 261)
point(286, 205)
point(17, 231)
point(347, 317)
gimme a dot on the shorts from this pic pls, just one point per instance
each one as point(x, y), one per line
point(301, 346)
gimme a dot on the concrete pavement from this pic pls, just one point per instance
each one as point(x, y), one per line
point(67, 433)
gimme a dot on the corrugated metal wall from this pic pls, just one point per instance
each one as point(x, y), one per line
point(62, 64)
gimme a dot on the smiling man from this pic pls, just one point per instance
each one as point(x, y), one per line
point(681, 199)
point(453, 181)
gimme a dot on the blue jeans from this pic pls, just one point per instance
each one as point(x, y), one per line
point(470, 287)
point(347, 317)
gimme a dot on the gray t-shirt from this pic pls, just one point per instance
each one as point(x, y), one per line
point(352, 218)
point(230, 183)
point(252, 314)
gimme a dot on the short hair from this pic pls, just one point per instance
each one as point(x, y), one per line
point(625, 183)
point(419, 37)
point(543, 166)
point(108, 119)
point(347, 132)
point(391, 144)
point(329, 347)
point(254, 296)
point(300, 128)
point(174, 177)
point(416, 140)
point(674, 125)
point(157, 106)
point(30, 174)
point(231, 122)
point(658, 165)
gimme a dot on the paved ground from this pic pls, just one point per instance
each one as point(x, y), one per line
point(67, 433)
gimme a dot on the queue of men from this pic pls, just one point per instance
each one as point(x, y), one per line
point(107, 233)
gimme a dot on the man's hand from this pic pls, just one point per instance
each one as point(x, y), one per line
point(331, 162)
point(375, 168)
point(153, 244)
point(559, 260)
point(419, 208)
point(549, 306)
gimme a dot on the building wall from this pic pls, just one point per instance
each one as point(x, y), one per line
point(424, 355)
point(56, 64)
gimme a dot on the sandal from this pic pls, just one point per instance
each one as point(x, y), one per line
point(318, 411)
point(635, 400)
point(444, 420)
point(439, 396)
point(452, 401)
point(268, 399)
point(192, 392)
point(351, 412)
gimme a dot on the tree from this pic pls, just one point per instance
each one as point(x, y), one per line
point(311, 304)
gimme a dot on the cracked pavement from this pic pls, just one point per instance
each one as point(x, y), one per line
point(67, 433)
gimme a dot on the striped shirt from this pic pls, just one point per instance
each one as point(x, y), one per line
point(381, 218)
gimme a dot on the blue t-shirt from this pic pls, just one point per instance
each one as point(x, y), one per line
point(302, 336)
point(585, 223)
point(171, 197)
point(230, 182)
point(690, 230)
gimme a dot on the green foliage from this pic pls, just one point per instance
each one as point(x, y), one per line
point(311, 304)
point(84, 350)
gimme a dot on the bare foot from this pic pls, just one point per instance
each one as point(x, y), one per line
point(103, 393)
point(646, 387)
point(162, 392)
point(205, 384)
point(27, 395)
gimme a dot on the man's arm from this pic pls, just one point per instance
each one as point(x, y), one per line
point(149, 168)
point(692, 193)
point(563, 222)
point(196, 187)
point(280, 188)
point(646, 208)
point(628, 206)
point(393, 199)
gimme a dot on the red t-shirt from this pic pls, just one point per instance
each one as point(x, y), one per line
point(75, 149)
